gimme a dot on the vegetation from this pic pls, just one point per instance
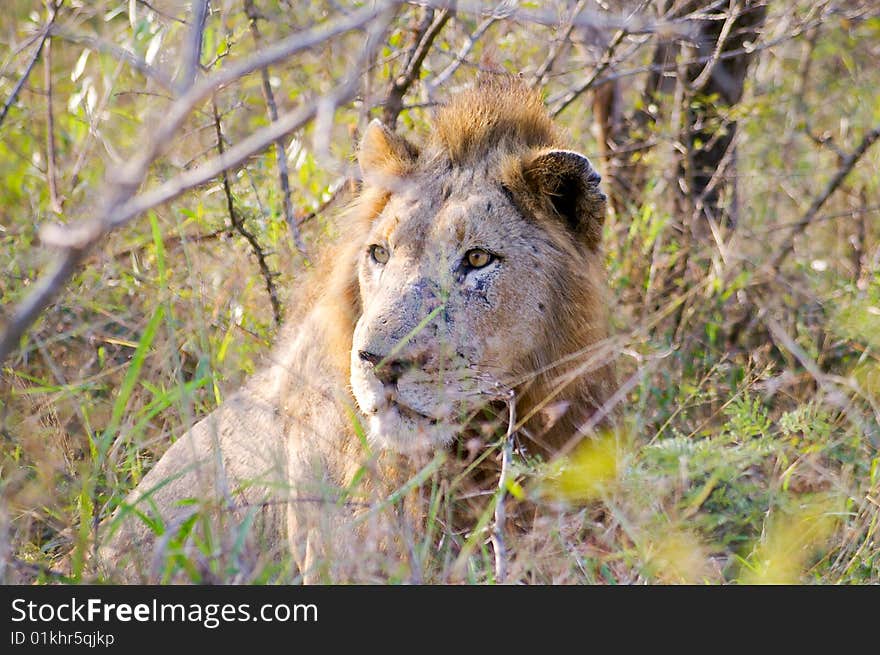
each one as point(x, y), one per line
point(174, 225)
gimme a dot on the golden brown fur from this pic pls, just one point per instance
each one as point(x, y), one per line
point(411, 346)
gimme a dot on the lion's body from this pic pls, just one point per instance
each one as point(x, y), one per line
point(469, 269)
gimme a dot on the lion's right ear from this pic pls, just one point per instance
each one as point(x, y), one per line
point(384, 156)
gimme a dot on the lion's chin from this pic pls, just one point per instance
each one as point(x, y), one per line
point(398, 428)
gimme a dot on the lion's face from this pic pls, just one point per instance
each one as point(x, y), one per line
point(445, 288)
point(458, 285)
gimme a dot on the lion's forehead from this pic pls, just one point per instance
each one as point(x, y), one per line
point(430, 219)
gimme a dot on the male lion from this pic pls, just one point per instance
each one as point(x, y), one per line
point(469, 268)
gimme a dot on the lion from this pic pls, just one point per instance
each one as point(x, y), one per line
point(468, 272)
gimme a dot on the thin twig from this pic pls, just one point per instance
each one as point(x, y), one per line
point(161, 13)
point(729, 54)
point(842, 172)
point(718, 173)
point(558, 44)
point(826, 141)
point(78, 236)
point(339, 189)
point(163, 134)
point(44, 35)
point(238, 225)
point(805, 67)
point(849, 213)
point(827, 383)
point(609, 407)
point(498, 545)
point(85, 145)
point(427, 31)
point(604, 63)
point(280, 149)
point(51, 158)
point(460, 58)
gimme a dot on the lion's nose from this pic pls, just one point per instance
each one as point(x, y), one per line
point(388, 371)
point(368, 357)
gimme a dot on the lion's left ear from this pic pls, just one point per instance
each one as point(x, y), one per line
point(384, 156)
point(568, 185)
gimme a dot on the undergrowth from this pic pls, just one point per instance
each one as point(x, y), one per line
point(747, 445)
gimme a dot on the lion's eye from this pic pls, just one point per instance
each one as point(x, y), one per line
point(478, 258)
point(379, 254)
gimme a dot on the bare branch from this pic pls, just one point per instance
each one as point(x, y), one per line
point(76, 242)
point(41, 294)
point(425, 34)
point(460, 58)
point(51, 158)
point(701, 79)
point(44, 35)
point(93, 134)
point(280, 150)
point(172, 120)
point(603, 65)
point(122, 205)
point(558, 44)
point(82, 235)
point(192, 54)
point(790, 35)
point(169, 243)
point(826, 141)
point(842, 172)
point(607, 59)
point(238, 225)
point(632, 23)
